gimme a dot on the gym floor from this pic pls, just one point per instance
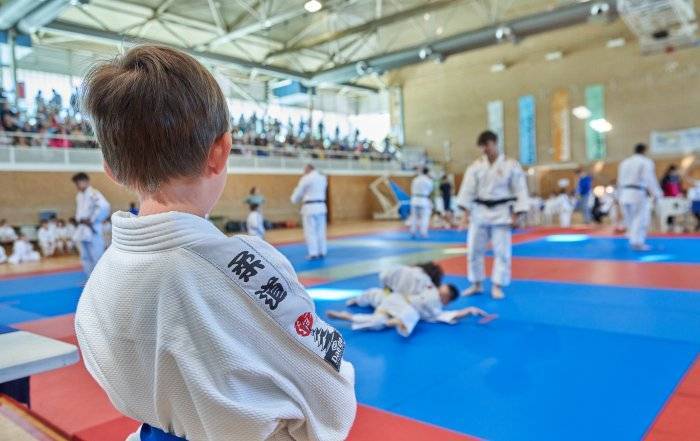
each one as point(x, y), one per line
point(593, 341)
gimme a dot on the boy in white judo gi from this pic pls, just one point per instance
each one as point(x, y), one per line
point(421, 204)
point(637, 183)
point(494, 195)
point(311, 193)
point(197, 335)
point(255, 224)
point(92, 209)
point(7, 233)
point(23, 252)
point(565, 205)
point(46, 238)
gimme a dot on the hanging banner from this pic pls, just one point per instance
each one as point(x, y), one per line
point(596, 146)
point(676, 142)
point(494, 110)
point(528, 138)
point(561, 127)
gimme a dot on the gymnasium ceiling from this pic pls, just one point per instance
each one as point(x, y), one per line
point(280, 33)
point(269, 38)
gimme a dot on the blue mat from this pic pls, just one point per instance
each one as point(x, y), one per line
point(341, 254)
point(578, 246)
point(543, 371)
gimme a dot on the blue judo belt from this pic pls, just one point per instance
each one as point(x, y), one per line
point(149, 433)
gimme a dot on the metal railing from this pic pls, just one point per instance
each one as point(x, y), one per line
point(52, 152)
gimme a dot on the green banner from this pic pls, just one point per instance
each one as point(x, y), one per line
point(596, 147)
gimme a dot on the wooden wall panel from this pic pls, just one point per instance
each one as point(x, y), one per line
point(27, 193)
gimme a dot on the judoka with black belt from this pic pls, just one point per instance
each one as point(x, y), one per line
point(311, 192)
point(637, 182)
point(493, 195)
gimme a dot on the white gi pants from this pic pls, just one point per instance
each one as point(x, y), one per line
point(31, 256)
point(48, 248)
point(477, 243)
point(565, 218)
point(90, 252)
point(420, 220)
point(386, 305)
point(315, 234)
point(637, 218)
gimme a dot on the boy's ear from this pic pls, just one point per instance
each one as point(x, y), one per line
point(110, 173)
point(218, 155)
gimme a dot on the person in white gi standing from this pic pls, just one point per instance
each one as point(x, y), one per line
point(91, 211)
point(311, 193)
point(493, 194)
point(421, 203)
point(637, 182)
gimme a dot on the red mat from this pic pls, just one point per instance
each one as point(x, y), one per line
point(595, 272)
point(680, 418)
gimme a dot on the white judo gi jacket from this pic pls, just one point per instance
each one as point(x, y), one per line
point(311, 192)
point(483, 181)
point(421, 191)
point(636, 180)
point(211, 338)
point(419, 291)
point(92, 205)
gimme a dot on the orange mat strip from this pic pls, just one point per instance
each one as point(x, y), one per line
point(595, 272)
point(679, 420)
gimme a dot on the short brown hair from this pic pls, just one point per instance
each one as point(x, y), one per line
point(156, 112)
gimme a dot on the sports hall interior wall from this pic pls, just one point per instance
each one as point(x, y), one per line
point(27, 193)
point(445, 104)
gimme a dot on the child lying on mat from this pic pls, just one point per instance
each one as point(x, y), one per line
point(410, 294)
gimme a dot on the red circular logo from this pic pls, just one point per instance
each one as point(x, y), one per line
point(304, 324)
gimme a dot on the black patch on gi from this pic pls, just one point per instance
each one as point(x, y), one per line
point(245, 265)
point(330, 341)
point(272, 292)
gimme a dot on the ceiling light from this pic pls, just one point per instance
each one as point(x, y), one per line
point(581, 112)
point(504, 33)
point(615, 42)
point(425, 52)
point(554, 56)
point(498, 67)
point(426, 16)
point(601, 125)
point(313, 6)
point(438, 31)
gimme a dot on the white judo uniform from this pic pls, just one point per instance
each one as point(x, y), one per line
point(636, 184)
point(565, 206)
point(421, 204)
point(7, 234)
point(3, 256)
point(211, 338)
point(47, 241)
point(408, 295)
point(23, 252)
point(311, 193)
point(255, 224)
point(492, 193)
point(92, 206)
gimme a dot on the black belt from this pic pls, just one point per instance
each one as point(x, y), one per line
point(635, 187)
point(490, 203)
point(320, 201)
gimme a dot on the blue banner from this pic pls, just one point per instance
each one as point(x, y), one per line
point(528, 137)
